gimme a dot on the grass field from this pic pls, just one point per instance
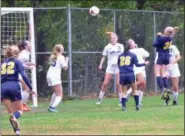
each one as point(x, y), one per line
point(84, 117)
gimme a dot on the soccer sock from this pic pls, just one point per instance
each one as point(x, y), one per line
point(52, 99)
point(101, 95)
point(160, 83)
point(165, 81)
point(120, 96)
point(123, 101)
point(17, 114)
point(175, 96)
point(129, 92)
point(56, 101)
point(140, 96)
point(25, 96)
point(136, 98)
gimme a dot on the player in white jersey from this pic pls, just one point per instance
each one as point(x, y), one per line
point(111, 51)
point(57, 62)
point(140, 72)
point(174, 72)
point(24, 57)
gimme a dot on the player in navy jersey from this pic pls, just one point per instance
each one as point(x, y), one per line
point(126, 62)
point(10, 86)
point(162, 45)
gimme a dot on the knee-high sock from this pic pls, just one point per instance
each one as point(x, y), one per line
point(52, 99)
point(56, 101)
point(101, 95)
point(160, 83)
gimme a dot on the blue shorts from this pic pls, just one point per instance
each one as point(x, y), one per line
point(11, 90)
point(162, 59)
point(127, 78)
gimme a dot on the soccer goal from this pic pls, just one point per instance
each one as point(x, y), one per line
point(17, 24)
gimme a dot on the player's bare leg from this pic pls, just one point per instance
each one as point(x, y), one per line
point(119, 88)
point(25, 96)
point(141, 85)
point(106, 82)
point(175, 86)
point(124, 98)
point(58, 92)
point(136, 95)
point(14, 115)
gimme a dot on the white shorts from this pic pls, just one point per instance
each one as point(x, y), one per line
point(138, 70)
point(52, 82)
point(174, 71)
point(112, 69)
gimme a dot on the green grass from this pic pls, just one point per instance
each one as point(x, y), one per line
point(84, 117)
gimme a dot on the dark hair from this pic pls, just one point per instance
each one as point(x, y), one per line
point(127, 46)
point(22, 45)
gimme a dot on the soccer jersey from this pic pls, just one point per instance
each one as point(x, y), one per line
point(24, 56)
point(126, 61)
point(112, 52)
point(162, 45)
point(140, 53)
point(10, 69)
point(173, 53)
point(56, 67)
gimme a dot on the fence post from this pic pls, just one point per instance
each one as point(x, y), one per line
point(70, 87)
point(115, 32)
point(154, 29)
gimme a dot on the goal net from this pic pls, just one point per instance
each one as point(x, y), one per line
point(17, 25)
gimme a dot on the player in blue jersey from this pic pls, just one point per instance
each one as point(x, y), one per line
point(10, 86)
point(126, 62)
point(162, 45)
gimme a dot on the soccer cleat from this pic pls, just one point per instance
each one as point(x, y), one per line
point(51, 109)
point(137, 108)
point(167, 100)
point(98, 102)
point(124, 109)
point(26, 108)
point(18, 132)
point(14, 122)
point(174, 103)
point(164, 94)
point(119, 104)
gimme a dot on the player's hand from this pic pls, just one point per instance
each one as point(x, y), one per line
point(30, 67)
point(169, 65)
point(147, 62)
point(176, 28)
point(159, 34)
point(100, 67)
point(33, 93)
point(67, 59)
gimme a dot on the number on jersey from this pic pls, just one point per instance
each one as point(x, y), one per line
point(125, 60)
point(7, 68)
point(167, 45)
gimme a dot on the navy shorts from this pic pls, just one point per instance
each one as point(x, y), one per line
point(162, 59)
point(127, 78)
point(11, 90)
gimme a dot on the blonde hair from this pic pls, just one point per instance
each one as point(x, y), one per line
point(12, 51)
point(58, 49)
point(168, 31)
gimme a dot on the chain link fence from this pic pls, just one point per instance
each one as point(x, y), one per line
point(84, 38)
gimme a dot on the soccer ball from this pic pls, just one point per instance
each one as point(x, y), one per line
point(94, 11)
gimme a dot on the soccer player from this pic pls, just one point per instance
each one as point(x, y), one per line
point(10, 87)
point(57, 62)
point(126, 61)
point(24, 57)
point(111, 51)
point(140, 72)
point(162, 45)
point(174, 72)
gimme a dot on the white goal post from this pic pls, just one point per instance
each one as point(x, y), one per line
point(17, 24)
